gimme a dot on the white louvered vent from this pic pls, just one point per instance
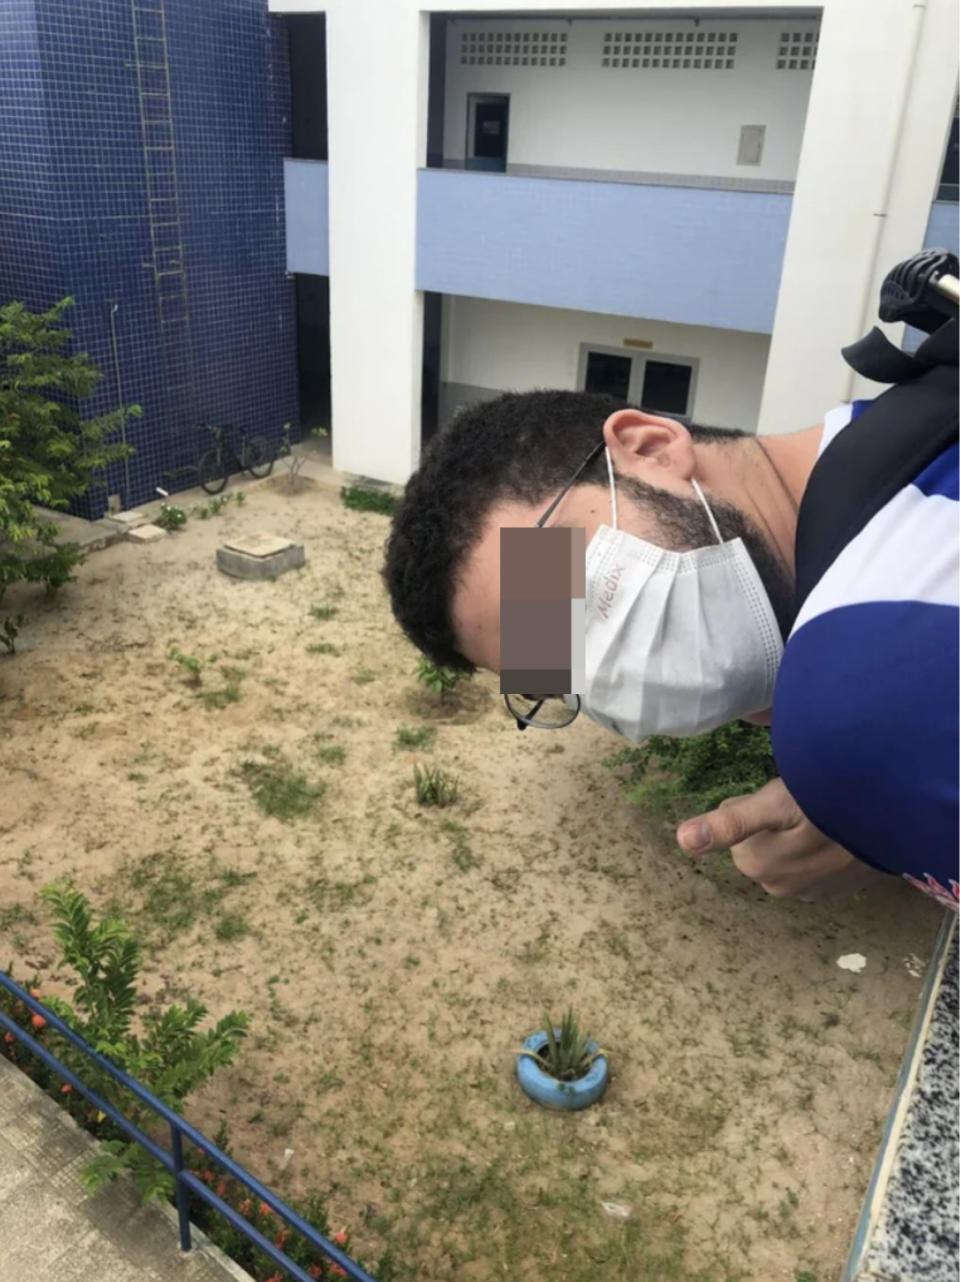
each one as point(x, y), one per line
point(513, 49)
point(797, 50)
point(669, 50)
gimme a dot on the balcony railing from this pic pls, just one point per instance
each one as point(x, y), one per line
point(694, 256)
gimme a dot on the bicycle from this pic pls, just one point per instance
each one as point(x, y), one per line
point(256, 456)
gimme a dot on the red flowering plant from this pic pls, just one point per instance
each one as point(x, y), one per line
point(262, 1217)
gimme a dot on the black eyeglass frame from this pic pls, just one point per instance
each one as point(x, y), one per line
point(524, 721)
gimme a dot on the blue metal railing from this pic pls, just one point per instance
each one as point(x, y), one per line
point(185, 1180)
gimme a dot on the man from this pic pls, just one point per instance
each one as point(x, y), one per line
point(690, 584)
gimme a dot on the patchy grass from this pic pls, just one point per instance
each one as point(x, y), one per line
point(363, 498)
point(280, 791)
point(461, 851)
point(231, 926)
point(171, 894)
point(407, 737)
point(323, 647)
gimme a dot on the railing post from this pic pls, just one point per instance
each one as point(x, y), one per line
point(183, 1210)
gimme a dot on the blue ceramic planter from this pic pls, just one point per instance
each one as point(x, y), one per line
point(546, 1090)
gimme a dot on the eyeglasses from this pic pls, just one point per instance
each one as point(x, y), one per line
point(550, 711)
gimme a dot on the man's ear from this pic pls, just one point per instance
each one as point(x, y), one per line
point(645, 446)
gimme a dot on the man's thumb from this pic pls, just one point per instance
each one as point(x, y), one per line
point(733, 822)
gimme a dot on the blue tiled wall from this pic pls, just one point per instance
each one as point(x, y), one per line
point(215, 340)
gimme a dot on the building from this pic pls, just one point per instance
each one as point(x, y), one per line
point(363, 215)
point(692, 207)
point(141, 173)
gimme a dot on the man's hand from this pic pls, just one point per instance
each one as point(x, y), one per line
point(776, 845)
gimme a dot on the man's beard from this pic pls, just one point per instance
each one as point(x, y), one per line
point(685, 526)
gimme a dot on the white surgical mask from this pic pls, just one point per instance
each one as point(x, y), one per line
point(677, 643)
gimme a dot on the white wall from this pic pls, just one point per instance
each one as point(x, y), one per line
point(872, 154)
point(377, 93)
point(583, 115)
point(513, 347)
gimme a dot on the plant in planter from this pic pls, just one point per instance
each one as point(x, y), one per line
point(560, 1067)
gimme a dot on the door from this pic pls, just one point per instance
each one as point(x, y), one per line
point(488, 123)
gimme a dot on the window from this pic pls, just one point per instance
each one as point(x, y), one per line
point(662, 385)
point(666, 388)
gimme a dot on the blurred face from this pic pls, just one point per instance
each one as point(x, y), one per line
point(695, 658)
point(662, 517)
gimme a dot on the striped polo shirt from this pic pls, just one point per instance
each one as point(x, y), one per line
point(865, 717)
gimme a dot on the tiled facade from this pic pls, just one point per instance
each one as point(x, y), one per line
point(141, 150)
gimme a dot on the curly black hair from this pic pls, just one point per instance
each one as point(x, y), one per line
point(521, 446)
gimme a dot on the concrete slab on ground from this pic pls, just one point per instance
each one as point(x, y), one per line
point(91, 536)
point(52, 1230)
point(146, 534)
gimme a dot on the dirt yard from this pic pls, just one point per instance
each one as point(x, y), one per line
point(395, 955)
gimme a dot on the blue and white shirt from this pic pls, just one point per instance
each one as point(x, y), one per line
point(865, 717)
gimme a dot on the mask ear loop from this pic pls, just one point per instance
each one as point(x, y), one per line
point(613, 488)
point(713, 520)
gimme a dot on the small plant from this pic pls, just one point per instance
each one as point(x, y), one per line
point(191, 665)
point(567, 1057)
point(214, 507)
point(279, 791)
point(323, 647)
point(171, 517)
point(363, 676)
point(364, 498)
point(323, 612)
point(408, 737)
point(437, 678)
point(435, 787)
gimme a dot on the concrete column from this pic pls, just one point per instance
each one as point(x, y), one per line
point(377, 72)
point(872, 150)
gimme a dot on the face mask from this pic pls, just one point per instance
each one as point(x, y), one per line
point(677, 643)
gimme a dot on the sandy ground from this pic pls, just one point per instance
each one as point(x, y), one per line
point(394, 956)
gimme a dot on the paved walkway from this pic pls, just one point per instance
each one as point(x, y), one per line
point(52, 1230)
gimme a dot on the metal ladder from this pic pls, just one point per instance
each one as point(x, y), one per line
point(152, 64)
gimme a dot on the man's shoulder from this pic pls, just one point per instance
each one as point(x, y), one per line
point(907, 552)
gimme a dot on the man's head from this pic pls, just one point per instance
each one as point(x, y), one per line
point(502, 462)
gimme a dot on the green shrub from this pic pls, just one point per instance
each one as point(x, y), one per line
point(171, 1057)
point(49, 454)
point(363, 498)
point(171, 517)
point(674, 779)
